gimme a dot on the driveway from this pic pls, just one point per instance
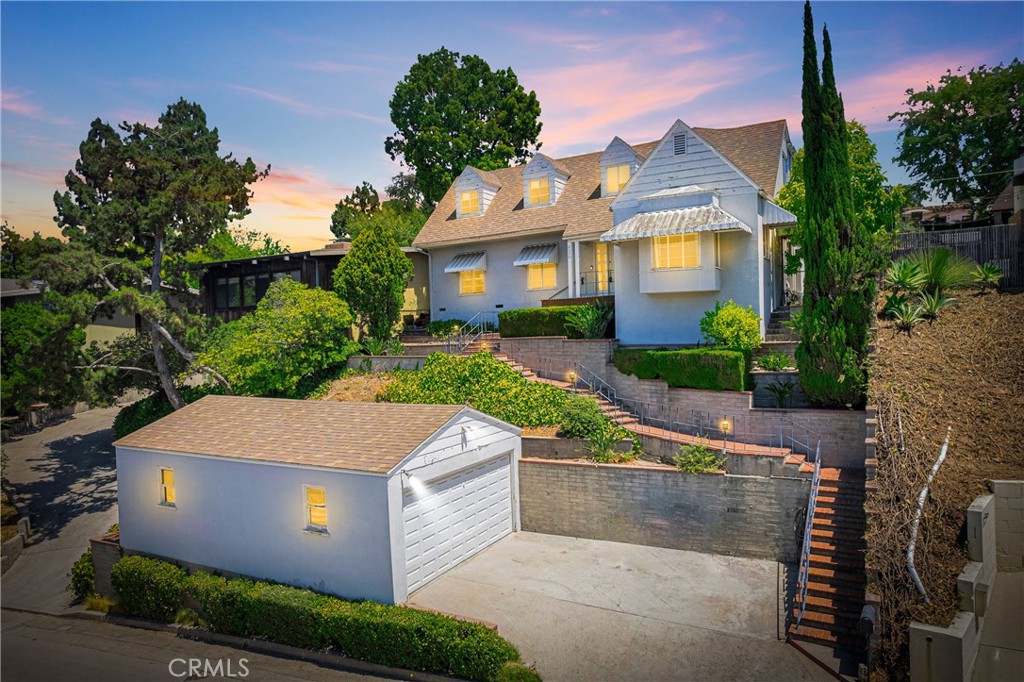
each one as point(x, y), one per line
point(64, 476)
point(594, 610)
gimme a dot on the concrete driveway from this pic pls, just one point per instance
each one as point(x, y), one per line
point(593, 610)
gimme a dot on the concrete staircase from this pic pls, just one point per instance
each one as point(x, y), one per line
point(779, 338)
point(836, 581)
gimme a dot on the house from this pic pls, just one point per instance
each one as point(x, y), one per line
point(665, 227)
point(232, 288)
point(362, 500)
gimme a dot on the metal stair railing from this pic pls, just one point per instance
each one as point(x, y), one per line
point(805, 551)
point(482, 323)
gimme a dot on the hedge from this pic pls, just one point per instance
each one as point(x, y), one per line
point(535, 321)
point(716, 370)
point(394, 636)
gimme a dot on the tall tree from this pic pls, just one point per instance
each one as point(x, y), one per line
point(404, 224)
point(363, 201)
point(959, 138)
point(451, 111)
point(839, 258)
point(17, 253)
point(140, 193)
point(405, 191)
point(372, 279)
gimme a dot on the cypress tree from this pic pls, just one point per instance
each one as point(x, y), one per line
point(838, 260)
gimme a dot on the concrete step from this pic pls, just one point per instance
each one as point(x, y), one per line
point(835, 576)
point(849, 563)
point(845, 621)
point(835, 536)
point(825, 636)
point(827, 590)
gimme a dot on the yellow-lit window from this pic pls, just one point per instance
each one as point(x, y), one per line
point(469, 201)
point(316, 509)
point(676, 251)
point(540, 276)
point(602, 269)
point(617, 177)
point(167, 487)
point(540, 191)
point(471, 282)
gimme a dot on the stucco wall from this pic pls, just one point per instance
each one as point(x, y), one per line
point(747, 516)
point(248, 518)
point(505, 283)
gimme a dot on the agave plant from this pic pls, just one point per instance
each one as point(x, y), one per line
point(782, 391)
point(932, 304)
point(988, 275)
point(892, 302)
point(590, 321)
point(904, 276)
point(375, 346)
point(907, 316)
point(944, 269)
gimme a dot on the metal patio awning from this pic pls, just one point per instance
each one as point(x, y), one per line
point(477, 260)
point(709, 218)
point(537, 254)
point(776, 216)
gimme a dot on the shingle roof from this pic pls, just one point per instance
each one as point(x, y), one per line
point(580, 210)
point(369, 437)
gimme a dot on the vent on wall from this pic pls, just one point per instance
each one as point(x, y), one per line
point(680, 143)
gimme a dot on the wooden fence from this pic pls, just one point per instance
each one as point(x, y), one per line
point(1001, 245)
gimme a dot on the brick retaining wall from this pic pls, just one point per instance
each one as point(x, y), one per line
point(750, 516)
point(553, 356)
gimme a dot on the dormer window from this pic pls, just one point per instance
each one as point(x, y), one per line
point(540, 191)
point(469, 202)
point(615, 178)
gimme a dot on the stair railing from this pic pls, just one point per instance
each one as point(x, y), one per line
point(482, 323)
point(805, 551)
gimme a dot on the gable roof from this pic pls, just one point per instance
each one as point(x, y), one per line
point(580, 210)
point(367, 437)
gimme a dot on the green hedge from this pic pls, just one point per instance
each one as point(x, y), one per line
point(717, 370)
point(535, 321)
point(389, 635)
point(146, 411)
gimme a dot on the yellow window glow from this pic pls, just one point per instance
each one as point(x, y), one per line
point(617, 177)
point(469, 201)
point(676, 251)
point(540, 191)
point(541, 276)
point(167, 486)
point(316, 508)
point(602, 267)
point(471, 282)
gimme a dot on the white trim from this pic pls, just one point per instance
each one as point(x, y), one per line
point(760, 268)
point(576, 278)
point(248, 460)
point(476, 414)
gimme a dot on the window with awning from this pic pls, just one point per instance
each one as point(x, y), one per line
point(537, 254)
point(464, 262)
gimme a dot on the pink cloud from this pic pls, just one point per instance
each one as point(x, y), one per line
point(17, 103)
point(46, 176)
point(301, 107)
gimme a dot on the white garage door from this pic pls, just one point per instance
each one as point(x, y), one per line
point(456, 517)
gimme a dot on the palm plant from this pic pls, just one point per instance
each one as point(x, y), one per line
point(782, 391)
point(590, 321)
point(988, 275)
point(944, 269)
point(932, 304)
point(904, 275)
point(907, 316)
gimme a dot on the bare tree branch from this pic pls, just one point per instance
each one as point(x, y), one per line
point(134, 369)
point(216, 375)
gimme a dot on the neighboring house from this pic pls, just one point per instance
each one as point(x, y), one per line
point(362, 500)
point(232, 288)
point(666, 227)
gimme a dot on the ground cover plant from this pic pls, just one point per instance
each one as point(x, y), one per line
point(698, 459)
point(961, 370)
point(481, 381)
point(775, 362)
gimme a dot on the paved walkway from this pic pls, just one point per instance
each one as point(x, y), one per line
point(1001, 656)
point(44, 649)
point(64, 477)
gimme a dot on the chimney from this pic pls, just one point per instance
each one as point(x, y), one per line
point(1018, 184)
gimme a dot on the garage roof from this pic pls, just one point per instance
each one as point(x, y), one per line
point(368, 437)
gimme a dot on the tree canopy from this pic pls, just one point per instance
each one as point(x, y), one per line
point(372, 279)
point(404, 224)
point(451, 111)
point(959, 137)
point(363, 201)
point(406, 192)
point(17, 254)
point(227, 245)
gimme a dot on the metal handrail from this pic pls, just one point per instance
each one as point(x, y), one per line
point(805, 551)
point(483, 322)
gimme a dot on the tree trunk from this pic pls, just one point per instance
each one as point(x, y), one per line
point(166, 379)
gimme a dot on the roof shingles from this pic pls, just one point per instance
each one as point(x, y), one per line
point(368, 437)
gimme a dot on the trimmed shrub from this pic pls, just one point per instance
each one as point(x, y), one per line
point(149, 588)
point(513, 671)
point(83, 576)
point(442, 329)
point(481, 381)
point(146, 411)
point(732, 327)
point(716, 370)
point(580, 417)
point(536, 321)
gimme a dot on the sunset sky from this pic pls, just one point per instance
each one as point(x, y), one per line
point(305, 86)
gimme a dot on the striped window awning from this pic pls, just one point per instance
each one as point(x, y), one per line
point(776, 216)
point(536, 255)
point(477, 260)
point(709, 218)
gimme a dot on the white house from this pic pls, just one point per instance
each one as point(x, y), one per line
point(665, 227)
point(362, 500)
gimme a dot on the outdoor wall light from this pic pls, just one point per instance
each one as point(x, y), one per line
point(570, 376)
point(724, 426)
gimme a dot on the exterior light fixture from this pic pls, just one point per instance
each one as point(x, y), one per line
point(724, 425)
point(571, 376)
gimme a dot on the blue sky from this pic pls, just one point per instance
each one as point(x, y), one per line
point(305, 86)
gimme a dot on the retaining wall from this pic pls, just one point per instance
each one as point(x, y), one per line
point(553, 356)
point(385, 363)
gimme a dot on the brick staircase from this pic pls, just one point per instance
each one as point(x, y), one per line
point(835, 586)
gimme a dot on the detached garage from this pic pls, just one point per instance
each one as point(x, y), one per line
point(362, 500)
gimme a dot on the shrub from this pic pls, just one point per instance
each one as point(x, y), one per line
point(988, 275)
point(589, 321)
point(374, 346)
point(481, 381)
point(698, 459)
point(83, 576)
point(892, 302)
point(146, 411)
point(732, 327)
point(717, 370)
point(775, 362)
point(603, 444)
point(149, 588)
point(514, 671)
point(580, 417)
point(372, 280)
point(537, 321)
point(444, 328)
point(943, 269)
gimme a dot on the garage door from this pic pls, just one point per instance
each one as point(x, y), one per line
point(455, 517)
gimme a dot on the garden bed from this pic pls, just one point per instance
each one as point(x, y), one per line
point(965, 370)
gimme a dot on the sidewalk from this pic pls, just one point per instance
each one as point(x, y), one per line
point(1001, 656)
